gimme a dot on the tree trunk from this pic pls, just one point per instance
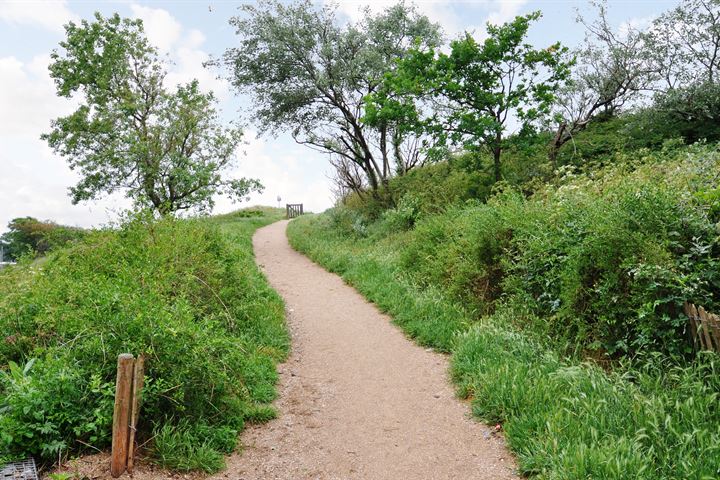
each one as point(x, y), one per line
point(561, 137)
point(497, 151)
point(372, 178)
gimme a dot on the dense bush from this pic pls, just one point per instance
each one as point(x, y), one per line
point(429, 189)
point(187, 294)
point(605, 261)
point(689, 113)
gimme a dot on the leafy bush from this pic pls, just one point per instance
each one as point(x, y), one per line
point(187, 294)
point(433, 188)
point(689, 112)
point(605, 262)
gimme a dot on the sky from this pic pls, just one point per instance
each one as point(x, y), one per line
point(34, 181)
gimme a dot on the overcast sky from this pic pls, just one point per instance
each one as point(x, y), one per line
point(34, 181)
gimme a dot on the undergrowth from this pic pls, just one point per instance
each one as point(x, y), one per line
point(525, 292)
point(185, 293)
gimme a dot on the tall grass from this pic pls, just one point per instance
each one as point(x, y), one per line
point(187, 294)
point(519, 291)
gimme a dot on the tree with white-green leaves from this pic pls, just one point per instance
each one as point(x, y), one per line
point(308, 74)
point(683, 44)
point(676, 58)
point(611, 71)
point(165, 148)
point(683, 50)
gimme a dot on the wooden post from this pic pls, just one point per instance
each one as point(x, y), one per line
point(693, 324)
point(138, 381)
point(715, 329)
point(705, 324)
point(121, 414)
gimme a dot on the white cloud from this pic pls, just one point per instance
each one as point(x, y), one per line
point(183, 48)
point(189, 66)
point(51, 15)
point(635, 24)
point(28, 99)
point(34, 182)
point(505, 10)
point(436, 10)
point(162, 29)
point(286, 170)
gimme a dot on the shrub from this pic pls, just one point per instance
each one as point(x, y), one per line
point(605, 262)
point(689, 112)
point(187, 294)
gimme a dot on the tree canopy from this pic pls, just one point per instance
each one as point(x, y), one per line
point(309, 75)
point(164, 147)
point(470, 95)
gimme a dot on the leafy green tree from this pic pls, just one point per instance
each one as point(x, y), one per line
point(690, 113)
point(308, 74)
point(28, 234)
point(165, 148)
point(683, 50)
point(470, 95)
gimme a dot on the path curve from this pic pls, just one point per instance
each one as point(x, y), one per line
point(357, 399)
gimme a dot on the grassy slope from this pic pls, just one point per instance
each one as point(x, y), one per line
point(188, 294)
point(565, 419)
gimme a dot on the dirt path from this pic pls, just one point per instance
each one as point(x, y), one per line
point(358, 400)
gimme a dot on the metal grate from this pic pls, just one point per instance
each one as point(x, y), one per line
point(24, 470)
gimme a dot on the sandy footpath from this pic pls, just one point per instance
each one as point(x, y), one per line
point(357, 399)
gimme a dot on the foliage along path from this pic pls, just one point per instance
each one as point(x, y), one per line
point(357, 398)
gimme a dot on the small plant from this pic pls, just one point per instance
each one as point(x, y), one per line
point(61, 476)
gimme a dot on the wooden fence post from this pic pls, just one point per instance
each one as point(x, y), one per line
point(138, 381)
point(705, 324)
point(121, 414)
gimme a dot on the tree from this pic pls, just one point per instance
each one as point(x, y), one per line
point(684, 44)
point(470, 95)
point(683, 50)
point(309, 75)
point(165, 148)
point(28, 234)
point(611, 70)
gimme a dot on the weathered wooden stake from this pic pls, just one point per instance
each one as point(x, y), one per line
point(138, 381)
point(121, 414)
point(705, 322)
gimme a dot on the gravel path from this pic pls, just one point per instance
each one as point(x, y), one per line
point(357, 399)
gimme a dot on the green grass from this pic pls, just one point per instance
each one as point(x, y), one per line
point(187, 294)
point(655, 417)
